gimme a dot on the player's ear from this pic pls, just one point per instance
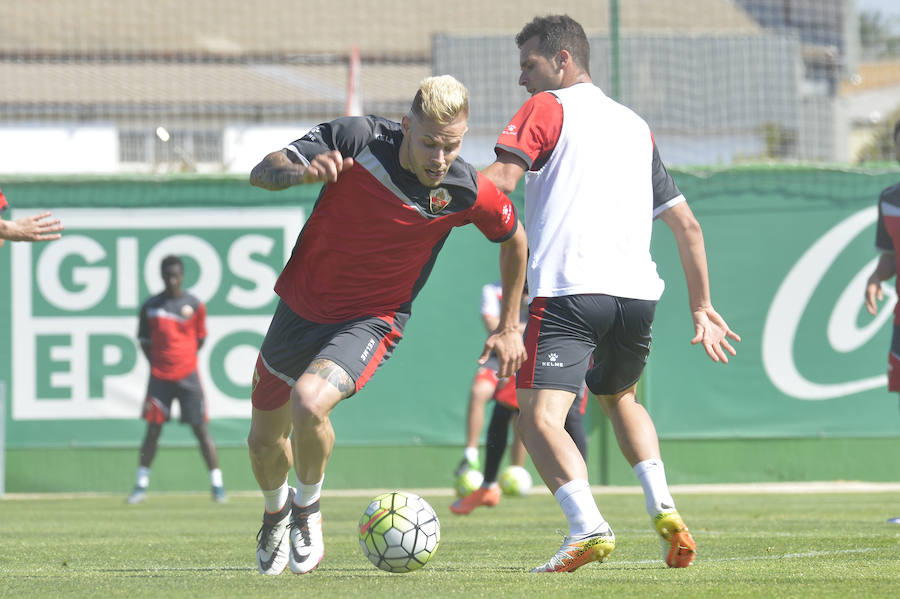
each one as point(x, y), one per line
point(404, 123)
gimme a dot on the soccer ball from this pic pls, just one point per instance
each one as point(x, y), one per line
point(399, 532)
point(468, 481)
point(515, 481)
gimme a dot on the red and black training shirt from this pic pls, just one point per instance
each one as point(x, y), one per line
point(372, 238)
point(175, 327)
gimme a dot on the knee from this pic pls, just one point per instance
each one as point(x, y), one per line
point(529, 419)
point(153, 431)
point(609, 403)
point(258, 443)
point(263, 442)
point(623, 400)
point(309, 405)
point(543, 417)
point(480, 393)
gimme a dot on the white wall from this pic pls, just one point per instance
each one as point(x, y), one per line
point(74, 148)
point(245, 145)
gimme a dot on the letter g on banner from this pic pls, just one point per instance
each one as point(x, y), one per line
point(790, 303)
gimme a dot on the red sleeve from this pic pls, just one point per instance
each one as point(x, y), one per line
point(201, 321)
point(3, 202)
point(534, 130)
point(493, 213)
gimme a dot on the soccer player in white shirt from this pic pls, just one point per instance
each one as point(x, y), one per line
point(594, 182)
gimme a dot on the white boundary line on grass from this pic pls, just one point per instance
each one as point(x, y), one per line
point(710, 489)
point(641, 562)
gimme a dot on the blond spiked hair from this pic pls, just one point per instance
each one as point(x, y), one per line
point(440, 99)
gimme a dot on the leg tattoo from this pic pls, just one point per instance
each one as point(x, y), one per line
point(335, 375)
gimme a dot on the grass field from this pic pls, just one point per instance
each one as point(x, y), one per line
point(180, 546)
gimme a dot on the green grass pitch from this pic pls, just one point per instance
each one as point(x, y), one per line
point(181, 546)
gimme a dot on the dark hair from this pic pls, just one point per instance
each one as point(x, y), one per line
point(555, 33)
point(171, 260)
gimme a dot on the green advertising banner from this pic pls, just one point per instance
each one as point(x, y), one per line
point(69, 314)
point(74, 305)
point(789, 251)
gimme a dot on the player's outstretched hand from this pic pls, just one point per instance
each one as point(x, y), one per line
point(326, 167)
point(712, 331)
point(510, 350)
point(33, 228)
point(874, 294)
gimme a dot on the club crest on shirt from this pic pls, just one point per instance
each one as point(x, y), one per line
point(440, 199)
point(187, 311)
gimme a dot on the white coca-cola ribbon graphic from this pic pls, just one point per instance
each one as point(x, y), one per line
point(843, 334)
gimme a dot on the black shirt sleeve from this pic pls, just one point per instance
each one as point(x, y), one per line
point(348, 135)
point(664, 188)
point(143, 326)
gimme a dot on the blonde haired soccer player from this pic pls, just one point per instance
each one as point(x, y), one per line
point(441, 99)
point(391, 194)
point(594, 182)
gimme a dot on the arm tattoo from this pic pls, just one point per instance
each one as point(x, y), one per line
point(275, 172)
point(334, 374)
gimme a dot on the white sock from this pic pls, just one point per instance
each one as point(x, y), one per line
point(215, 477)
point(143, 477)
point(652, 476)
point(579, 507)
point(471, 454)
point(307, 494)
point(276, 498)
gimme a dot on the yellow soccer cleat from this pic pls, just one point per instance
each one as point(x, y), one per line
point(575, 553)
point(679, 548)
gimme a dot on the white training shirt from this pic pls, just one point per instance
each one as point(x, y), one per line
point(589, 207)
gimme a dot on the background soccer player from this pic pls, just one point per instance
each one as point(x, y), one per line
point(887, 239)
point(172, 328)
point(392, 194)
point(594, 183)
point(506, 407)
point(485, 382)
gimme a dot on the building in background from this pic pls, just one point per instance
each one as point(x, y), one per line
point(209, 86)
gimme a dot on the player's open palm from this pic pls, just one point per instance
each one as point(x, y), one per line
point(713, 333)
point(34, 228)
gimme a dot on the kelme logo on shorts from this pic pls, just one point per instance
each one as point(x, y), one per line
point(553, 358)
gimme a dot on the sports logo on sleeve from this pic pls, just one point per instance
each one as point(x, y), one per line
point(440, 199)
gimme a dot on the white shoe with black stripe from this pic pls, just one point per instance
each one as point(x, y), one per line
point(273, 539)
point(307, 545)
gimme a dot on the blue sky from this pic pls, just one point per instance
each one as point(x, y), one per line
point(887, 7)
